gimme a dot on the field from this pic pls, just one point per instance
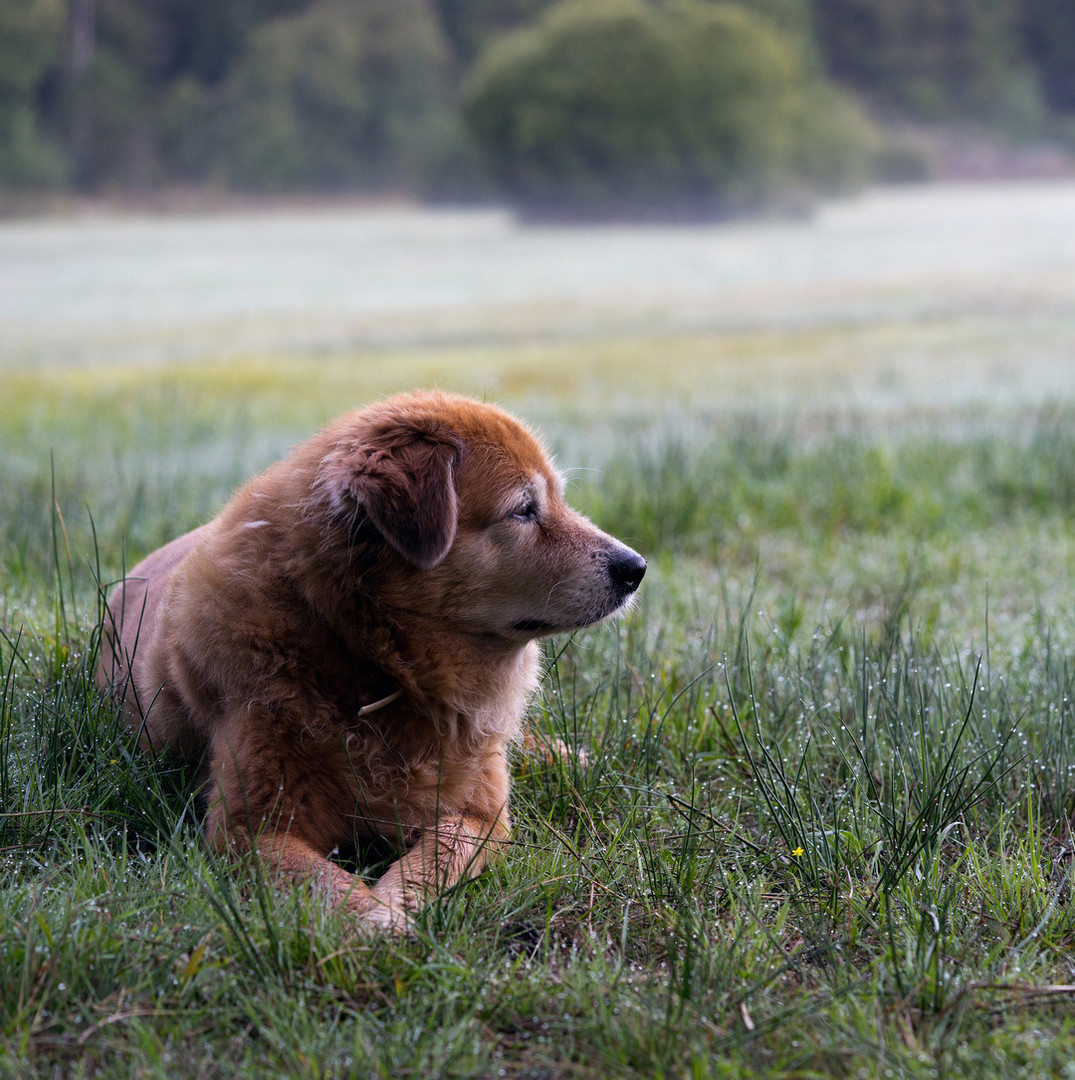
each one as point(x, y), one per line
point(824, 829)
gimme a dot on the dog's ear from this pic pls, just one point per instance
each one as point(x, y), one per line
point(408, 492)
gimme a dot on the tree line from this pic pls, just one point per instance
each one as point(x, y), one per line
point(556, 102)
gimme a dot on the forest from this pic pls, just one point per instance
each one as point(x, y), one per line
point(574, 102)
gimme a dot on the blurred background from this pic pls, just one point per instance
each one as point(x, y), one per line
point(578, 107)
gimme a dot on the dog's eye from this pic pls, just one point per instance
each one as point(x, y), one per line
point(526, 510)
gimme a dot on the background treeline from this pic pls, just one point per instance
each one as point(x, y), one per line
point(575, 102)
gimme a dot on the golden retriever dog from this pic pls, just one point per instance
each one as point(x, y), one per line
point(349, 647)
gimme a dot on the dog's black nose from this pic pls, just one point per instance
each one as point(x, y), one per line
point(627, 568)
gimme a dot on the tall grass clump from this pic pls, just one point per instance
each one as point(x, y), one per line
point(698, 485)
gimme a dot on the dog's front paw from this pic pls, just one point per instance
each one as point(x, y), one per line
point(387, 916)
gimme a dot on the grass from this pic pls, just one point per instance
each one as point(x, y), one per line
point(824, 827)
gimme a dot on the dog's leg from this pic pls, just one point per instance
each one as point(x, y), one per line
point(456, 849)
point(295, 860)
point(290, 857)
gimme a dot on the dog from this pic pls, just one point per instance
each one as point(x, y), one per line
point(349, 647)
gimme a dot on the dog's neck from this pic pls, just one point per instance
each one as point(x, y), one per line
point(462, 673)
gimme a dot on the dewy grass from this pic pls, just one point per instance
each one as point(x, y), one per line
point(812, 818)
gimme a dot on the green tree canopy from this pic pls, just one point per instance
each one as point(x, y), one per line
point(632, 106)
point(583, 100)
point(31, 39)
point(932, 58)
point(1049, 28)
point(337, 95)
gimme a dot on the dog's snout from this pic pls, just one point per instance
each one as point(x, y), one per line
point(627, 569)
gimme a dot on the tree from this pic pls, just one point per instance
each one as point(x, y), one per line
point(1049, 32)
point(620, 105)
point(471, 25)
point(932, 58)
point(31, 41)
point(338, 95)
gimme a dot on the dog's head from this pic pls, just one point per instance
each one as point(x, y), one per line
point(472, 519)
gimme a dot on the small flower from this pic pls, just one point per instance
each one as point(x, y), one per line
point(797, 852)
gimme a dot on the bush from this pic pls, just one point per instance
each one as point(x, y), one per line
point(619, 105)
point(836, 146)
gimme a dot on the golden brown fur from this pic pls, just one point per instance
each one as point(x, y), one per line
point(350, 645)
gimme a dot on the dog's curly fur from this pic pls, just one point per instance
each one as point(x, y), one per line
point(349, 647)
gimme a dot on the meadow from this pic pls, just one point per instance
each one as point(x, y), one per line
point(823, 828)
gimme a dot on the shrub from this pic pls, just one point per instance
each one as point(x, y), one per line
point(836, 146)
point(614, 105)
